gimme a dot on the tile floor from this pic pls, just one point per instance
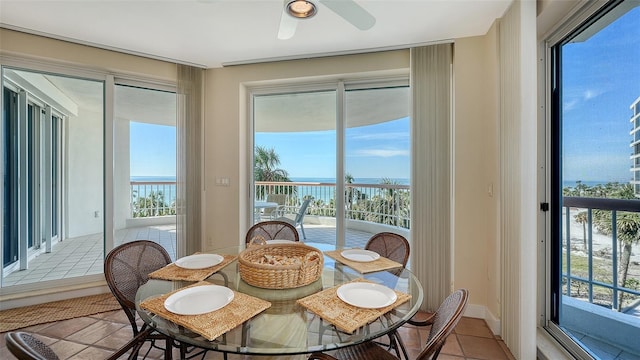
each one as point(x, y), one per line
point(97, 336)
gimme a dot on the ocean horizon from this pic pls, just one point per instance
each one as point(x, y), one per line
point(401, 181)
point(590, 183)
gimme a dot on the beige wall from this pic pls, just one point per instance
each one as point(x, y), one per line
point(226, 128)
point(14, 42)
point(476, 187)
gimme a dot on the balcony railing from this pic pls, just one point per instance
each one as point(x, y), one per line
point(387, 204)
point(593, 274)
point(153, 198)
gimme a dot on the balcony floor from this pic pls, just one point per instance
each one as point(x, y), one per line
point(83, 255)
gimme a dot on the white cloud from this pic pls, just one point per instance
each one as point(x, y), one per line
point(385, 153)
point(385, 136)
point(590, 94)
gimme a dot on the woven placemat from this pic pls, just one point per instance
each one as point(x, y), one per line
point(174, 272)
point(346, 317)
point(213, 324)
point(382, 263)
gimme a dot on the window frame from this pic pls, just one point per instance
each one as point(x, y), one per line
point(550, 293)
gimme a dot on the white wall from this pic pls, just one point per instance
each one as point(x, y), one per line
point(83, 189)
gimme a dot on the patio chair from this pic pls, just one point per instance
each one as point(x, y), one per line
point(442, 324)
point(126, 268)
point(273, 213)
point(299, 219)
point(25, 346)
point(273, 229)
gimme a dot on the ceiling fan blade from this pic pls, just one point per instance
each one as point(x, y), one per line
point(352, 12)
point(288, 26)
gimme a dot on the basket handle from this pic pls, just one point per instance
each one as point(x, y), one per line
point(310, 259)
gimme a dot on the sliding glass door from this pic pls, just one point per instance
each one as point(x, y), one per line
point(295, 155)
point(343, 147)
point(52, 167)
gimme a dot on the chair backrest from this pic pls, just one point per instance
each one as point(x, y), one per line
point(280, 199)
point(25, 346)
point(302, 211)
point(273, 229)
point(445, 320)
point(128, 266)
point(392, 246)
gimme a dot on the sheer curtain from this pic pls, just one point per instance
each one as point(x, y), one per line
point(189, 162)
point(431, 74)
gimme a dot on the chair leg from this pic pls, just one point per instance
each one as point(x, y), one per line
point(400, 344)
point(133, 344)
point(302, 229)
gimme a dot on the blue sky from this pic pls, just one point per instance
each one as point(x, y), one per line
point(374, 151)
point(601, 79)
point(153, 150)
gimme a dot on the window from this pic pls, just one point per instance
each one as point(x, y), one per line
point(594, 285)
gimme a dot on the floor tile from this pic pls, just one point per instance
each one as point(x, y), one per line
point(95, 332)
point(481, 348)
point(474, 327)
point(62, 329)
point(452, 346)
point(92, 353)
point(66, 349)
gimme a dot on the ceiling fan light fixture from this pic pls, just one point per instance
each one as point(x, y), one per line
point(301, 9)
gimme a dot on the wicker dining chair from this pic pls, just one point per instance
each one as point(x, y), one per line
point(126, 268)
point(390, 245)
point(273, 229)
point(25, 346)
point(442, 324)
point(393, 247)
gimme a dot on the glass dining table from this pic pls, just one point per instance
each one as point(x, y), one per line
point(286, 327)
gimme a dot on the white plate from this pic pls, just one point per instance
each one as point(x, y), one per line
point(277, 241)
point(199, 261)
point(366, 295)
point(199, 300)
point(360, 255)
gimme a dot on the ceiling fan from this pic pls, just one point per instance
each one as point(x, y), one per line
point(294, 10)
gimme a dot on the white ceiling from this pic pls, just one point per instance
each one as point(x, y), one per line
point(212, 33)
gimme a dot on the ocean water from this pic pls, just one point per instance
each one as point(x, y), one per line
point(591, 183)
point(326, 194)
point(400, 181)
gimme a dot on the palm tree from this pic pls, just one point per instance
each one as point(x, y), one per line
point(265, 168)
point(628, 225)
point(581, 218)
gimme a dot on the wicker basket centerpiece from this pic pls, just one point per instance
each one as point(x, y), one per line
point(280, 266)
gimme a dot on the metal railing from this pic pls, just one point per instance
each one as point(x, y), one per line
point(152, 198)
point(387, 204)
point(583, 208)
